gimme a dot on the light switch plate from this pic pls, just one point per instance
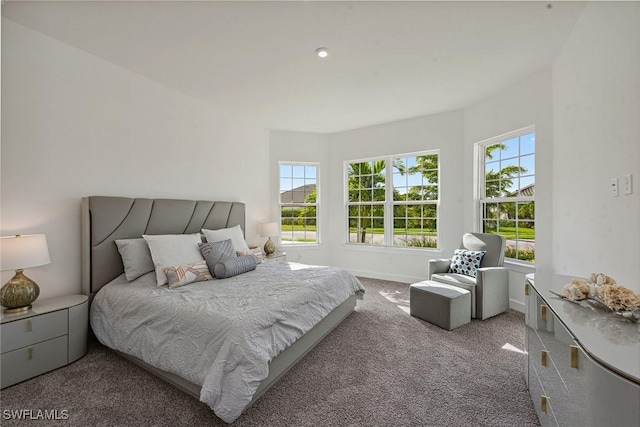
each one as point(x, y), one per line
point(614, 187)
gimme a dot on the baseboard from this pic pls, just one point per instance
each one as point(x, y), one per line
point(516, 305)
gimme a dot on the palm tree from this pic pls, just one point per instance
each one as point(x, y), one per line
point(427, 167)
point(366, 184)
point(497, 183)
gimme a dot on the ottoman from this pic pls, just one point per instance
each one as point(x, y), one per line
point(443, 305)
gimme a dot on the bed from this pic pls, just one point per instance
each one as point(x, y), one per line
point(199, 346)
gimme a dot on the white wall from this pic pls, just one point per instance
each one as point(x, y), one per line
point(441, 131)
point(75, 125)
point(526, 103)
point(303, 147)
point(596, 95)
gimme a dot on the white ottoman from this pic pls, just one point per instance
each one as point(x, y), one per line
point(443, 305)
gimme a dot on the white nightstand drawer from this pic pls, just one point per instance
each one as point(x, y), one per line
point(27, 362)
point(24, 332)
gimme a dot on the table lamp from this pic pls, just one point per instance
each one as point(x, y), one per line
point(267, 230)
point(19, 252)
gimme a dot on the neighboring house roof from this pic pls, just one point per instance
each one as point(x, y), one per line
point(298, 194)
point(528, 191)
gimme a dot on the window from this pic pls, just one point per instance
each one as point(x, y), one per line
point(298, 203)
point(507, 191)
point(393, 201)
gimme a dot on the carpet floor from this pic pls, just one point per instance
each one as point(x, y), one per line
point(380, 367)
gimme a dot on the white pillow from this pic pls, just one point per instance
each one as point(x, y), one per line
point(233, 233)
point(169, 250)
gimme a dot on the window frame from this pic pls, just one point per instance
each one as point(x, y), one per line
point(389, 204)
point(292, 243)
point(482, 200)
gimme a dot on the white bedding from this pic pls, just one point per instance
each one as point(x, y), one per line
point(220, 334)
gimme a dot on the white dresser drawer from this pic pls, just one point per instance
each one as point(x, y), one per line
point(27, 362)
point(24, 332)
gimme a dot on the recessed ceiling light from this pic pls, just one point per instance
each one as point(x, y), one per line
point(322, 52)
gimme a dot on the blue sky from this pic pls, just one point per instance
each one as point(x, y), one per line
point(294, 176)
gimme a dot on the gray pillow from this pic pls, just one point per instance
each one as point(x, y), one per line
point(136, 257)
point(232, 266)
point(213, 252)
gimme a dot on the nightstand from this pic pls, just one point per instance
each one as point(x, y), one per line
point(51, 334)
point(276, 257)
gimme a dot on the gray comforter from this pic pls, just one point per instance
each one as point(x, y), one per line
point(220, 334)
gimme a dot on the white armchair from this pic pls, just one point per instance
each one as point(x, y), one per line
point(490, 288)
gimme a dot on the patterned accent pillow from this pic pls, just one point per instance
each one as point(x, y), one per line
point(215, 251)
point(184, 274)
point(232, 266)
point(257, 252)
point(466, 262)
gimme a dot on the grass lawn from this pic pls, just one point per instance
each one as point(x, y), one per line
point(298, 227)
point(523, 233)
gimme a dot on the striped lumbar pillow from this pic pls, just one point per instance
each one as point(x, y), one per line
point(232, 266)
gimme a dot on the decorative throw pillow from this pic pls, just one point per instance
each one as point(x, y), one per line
point(233, 233)
point(257, 252)
point(232, 266)
point(136, 257)
point(173, 249)
point(214, 252)
point(466, 262)
point(184, 274)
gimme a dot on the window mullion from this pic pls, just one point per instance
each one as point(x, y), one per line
point(388, 209)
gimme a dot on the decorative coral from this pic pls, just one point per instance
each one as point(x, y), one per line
point(577, 290)
point(618, 298)
point(601, 279)
point(603, 288)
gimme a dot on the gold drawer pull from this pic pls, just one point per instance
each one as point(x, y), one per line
point(543, 313)
point(30, 325)
point(543, 357)
point(574, 356)
point(526, 289)
point(30, 353)
point(543, 403)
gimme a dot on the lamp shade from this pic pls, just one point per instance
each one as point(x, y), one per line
point(269, 229)
point(23, 251)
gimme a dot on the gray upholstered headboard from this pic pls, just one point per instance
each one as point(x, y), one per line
point(105, 219)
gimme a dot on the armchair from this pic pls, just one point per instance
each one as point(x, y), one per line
point(490, 288)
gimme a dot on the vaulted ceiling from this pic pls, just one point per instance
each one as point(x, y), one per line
point(388, 60)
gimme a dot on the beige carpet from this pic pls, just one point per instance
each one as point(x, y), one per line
point(380, 367)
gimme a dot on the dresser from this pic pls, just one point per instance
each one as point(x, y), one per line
point(583, 362)
point(51, 334)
